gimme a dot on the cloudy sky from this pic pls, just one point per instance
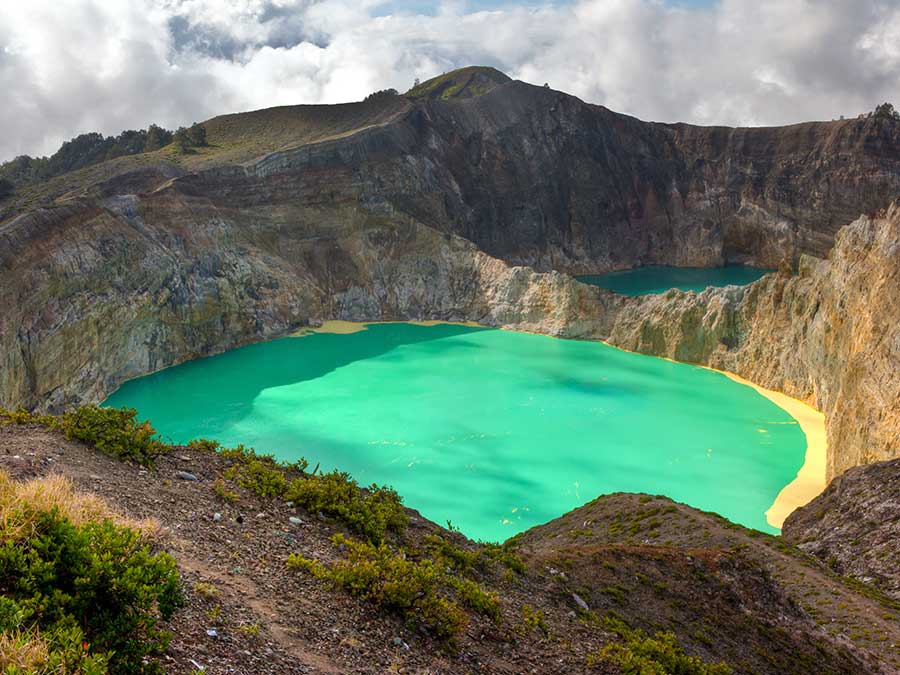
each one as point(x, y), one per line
point(70, 66)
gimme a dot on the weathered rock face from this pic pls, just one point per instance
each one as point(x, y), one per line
point(829, 335)
point(424, 212)
point(540, 178)
point(854, 526)
point(96, 295)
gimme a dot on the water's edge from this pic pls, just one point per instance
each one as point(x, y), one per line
point(810, 480)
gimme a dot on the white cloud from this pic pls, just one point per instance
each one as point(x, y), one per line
point(70, 66)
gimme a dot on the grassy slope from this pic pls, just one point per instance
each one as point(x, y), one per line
point(462, 83)
point(243, 137)
point(233, 139)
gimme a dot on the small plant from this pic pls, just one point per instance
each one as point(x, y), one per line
point(657, 655)
point(204, 445)
point(504, 554)
point(206, 591)
point(220, 488)
point(259, 477)
point(534, 618)
point(249, 629)
point(372, 512)
point(80, 592)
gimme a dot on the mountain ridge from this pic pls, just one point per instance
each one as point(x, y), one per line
point(518, 176)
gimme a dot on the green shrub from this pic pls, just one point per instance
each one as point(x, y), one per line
point(475, 597)
point(534, 618)
point(113, 431)
point(220, 488)
point(659, 655)
point(259, 477)
point(78, 593)
point(481, 558)
point(22, 416)
point(261, 474)
point(204, 445)
point(372, 512)
point(457, 557)
point(422, 590)
point(504, 555)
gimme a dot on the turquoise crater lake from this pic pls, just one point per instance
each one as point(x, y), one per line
point(493, 430)
point(655, 279)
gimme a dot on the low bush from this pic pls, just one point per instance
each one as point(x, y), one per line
point(661, 654)
point(482, 557)
point(372, 512)
point(222, 492)
point(80, 591)
point(535, 619)
point(114, 431)
point(262, 475)
point(422, 590)
point(258, 477)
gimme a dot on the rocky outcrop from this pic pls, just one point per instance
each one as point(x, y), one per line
point(97, 295)
point(828, 335)
point(854, 526)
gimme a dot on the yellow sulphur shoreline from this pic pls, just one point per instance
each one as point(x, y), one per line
point(806, 486)
point(810, 480)
point(338, 327)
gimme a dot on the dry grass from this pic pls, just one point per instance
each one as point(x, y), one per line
point(23, 652)
point(21, 503)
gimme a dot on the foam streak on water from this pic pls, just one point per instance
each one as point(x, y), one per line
point(496, 431)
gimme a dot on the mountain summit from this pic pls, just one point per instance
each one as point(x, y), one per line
point(463, 83)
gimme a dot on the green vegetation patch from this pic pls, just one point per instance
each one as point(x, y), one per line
point(372, 512)
point(638, 654)
point(79, 591)
point(113, 431)
point(424, 590)
point(463, 82)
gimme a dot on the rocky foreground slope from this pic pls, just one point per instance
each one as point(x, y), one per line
point(421, 206)
point(855, 526)
point(569, 594)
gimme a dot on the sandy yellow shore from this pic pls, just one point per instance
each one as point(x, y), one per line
point(810, 480)
point(348, 327)
point(806, 486)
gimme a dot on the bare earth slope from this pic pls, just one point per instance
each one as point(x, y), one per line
point(727, 593)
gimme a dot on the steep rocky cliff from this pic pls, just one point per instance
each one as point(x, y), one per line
point(420, 207)
point(854, 526)
point(829, 335)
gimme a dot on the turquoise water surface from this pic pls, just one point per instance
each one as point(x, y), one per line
point(495, 431)
point(656, 279)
